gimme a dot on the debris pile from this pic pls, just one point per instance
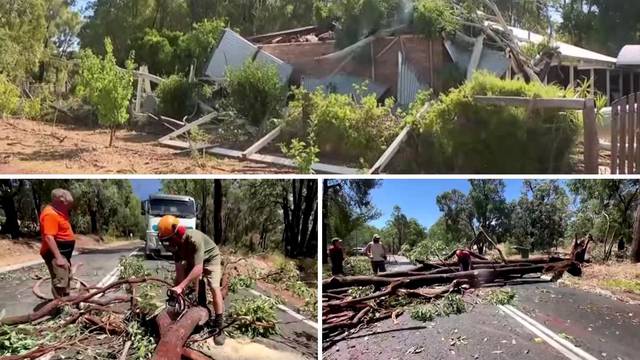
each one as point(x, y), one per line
point(353, 302)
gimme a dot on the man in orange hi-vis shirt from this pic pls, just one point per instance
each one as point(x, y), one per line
point(58, 241)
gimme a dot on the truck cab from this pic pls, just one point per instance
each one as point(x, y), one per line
point(159, 205)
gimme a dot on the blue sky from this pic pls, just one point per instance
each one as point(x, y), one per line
point(144, 188)
point(417, 198)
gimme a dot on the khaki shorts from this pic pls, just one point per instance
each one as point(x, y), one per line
point(211, 272)
point(60, 278)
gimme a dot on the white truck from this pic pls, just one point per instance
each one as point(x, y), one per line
point(159, 205)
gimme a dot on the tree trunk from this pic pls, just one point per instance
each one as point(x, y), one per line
point(111, 136)
point(174, 336)
point(217, 212)
point(203, 215)
point(7, 202)
point(635, 245)
point(325, 221)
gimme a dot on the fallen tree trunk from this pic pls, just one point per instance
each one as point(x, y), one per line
point(174, 336)
point(476, 277)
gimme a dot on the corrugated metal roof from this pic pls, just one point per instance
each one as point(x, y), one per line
point(284, 69)
point(408, 83)
point(232, 52)
point(342, 84)
point(629, 56)
point(493, 61)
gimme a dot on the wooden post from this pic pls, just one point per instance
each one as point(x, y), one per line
point(139, 95)
point(608, 87)
point(631, 134)
point(591, 142)
point(572, 77)
point(615, 116)
point(622, 136)
point(621, 84)
point(592, 74)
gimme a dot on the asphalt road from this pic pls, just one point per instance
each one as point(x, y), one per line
point(296, 336)
point(599, 327)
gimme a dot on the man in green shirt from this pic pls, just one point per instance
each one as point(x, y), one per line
point(196, 256)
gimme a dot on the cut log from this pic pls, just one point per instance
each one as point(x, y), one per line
point(172, 338)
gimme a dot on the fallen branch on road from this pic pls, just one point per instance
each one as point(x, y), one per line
point(347, 307)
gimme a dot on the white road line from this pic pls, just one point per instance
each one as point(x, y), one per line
point(553, 335)
point(113, 275)
point(564, 351)
point(289, 311)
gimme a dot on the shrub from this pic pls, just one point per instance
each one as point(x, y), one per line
point(178, 97)
point(106, 87)
point(9, 97)
point(255, 91)
point(460, 136)
point(433, 17)
point(356, 131)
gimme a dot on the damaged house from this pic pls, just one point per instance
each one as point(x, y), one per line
point(403, 64)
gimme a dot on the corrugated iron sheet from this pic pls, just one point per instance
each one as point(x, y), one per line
point(234, 50)
point(491, 60)
point(408, 83)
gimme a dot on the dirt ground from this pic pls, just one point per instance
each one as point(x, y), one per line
point(32, 147)
point(23, 250)
point(617, 280)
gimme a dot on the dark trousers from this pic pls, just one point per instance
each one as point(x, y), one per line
point(378, 266)
point(337, 268)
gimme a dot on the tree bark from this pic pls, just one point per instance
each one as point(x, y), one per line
point(203, 215)
point(174, 336)
point(635, 245)
point(217, 212)
point(7, 202)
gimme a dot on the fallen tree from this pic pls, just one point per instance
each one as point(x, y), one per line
point(353, 302)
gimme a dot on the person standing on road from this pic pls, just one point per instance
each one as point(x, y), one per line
point(336, 255)
point(377, 253)
point(463, 258)
point(58, 241)
point(196, 256)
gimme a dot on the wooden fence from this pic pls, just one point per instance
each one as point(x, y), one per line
point(625, 135)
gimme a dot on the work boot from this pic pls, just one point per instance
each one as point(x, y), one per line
point(218, 323)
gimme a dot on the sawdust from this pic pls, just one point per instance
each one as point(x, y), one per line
point(32, 147)
point(245, 349)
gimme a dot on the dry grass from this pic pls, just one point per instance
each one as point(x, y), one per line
point(621, 279)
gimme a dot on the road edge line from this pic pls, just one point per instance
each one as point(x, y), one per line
point(549, 332)
point(288, 311)
point(563, 350)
